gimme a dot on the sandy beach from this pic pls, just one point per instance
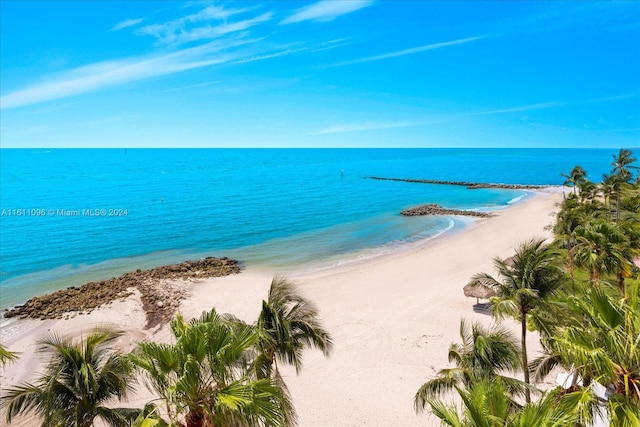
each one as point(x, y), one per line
point(392, 319)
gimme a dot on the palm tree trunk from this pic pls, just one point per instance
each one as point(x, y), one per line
point(618, 206)
point(195, 418)
point(525, 361)
point(621, 283)
point(570, 268)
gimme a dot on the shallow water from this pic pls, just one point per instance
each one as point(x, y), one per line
point(91, 214)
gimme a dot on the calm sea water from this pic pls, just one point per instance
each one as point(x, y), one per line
point(92, 214)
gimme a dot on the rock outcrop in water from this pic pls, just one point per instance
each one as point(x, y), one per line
point(469, 185)
point(433, 209)
point(160, 298)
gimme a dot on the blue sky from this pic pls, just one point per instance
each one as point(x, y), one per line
point(320, 74)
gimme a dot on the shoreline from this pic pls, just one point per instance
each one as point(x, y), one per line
point(68, 275)
point(392, 317)
point(460, 225)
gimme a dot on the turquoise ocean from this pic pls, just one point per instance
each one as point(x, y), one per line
point(74, 215)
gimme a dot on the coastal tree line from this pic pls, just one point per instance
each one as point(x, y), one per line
point(581, 292)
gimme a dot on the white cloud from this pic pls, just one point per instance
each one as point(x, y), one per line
point(271, 55)
point(539, 106)
point(369, 126)
point(178, 89)
point(126, 24)
point(284, 51)
point(410, 51)
point(182, 30)
point(101, 75)
point(207, 33)
point(361, 127)
point(553, 104)
point(326, 10)
point(613, 98)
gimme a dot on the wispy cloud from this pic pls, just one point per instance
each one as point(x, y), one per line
point(196, 26)
point(554, 104)
point(272, 55)
point(539, 106)
point(178, 89)
point(211, 32)
point(613, 98)
point(326, 10)
point(370, 126)
point(625, 130)
point(101, 75)
point(360, 127)
point(411, 51)
point(126, 24)
point(291, 49)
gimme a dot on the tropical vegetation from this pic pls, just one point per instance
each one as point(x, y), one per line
point(204, 377)
point(79, 380)
point(217, 372)
point(529, 280)
point(286, 326)
point(485, 353)
point(581, 292)
point(7, 356)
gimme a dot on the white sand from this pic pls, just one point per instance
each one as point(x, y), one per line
point(392, 319)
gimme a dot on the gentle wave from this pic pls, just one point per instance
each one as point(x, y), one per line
point(517, 199)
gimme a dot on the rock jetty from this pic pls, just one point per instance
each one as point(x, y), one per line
point(469, 185)
point(160, 298)
point(433, 209)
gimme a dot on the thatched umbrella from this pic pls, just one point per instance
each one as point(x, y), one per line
point(477, 289)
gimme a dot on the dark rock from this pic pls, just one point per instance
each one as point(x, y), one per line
point(433, 209)
point(469, 185)
point(159, 303)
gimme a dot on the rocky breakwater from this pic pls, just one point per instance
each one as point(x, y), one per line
point(160, 291)
point(433, 209)
point(469, 185)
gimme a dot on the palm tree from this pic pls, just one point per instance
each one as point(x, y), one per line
point(570, 216)
point(588, 190)
point(602, 344)
point(287, 325)
point(630, 226)
point(528, 283)
point(609, 186)
point(205, 377)
point(602, 247)
point(7, 356)
point(149, 417)
point(631, 200)
point(621, 168)
point(485, 403)
point(621, 164)
point(574, 177)
point(484, 353)
point(79, 379)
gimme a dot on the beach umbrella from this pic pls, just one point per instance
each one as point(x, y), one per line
point(477, 289)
